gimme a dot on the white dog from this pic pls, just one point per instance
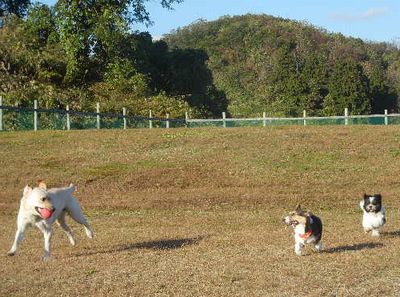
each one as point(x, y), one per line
point(374, 215)
point(42, 207)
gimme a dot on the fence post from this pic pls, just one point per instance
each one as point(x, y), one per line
point(224, 119)
point(386, 117)
point(264, 119)
point(186, 118)
point(35, 117)
point(346, 115)
point(68, 120)
point(150, 121)
point(124, 116)
point(304, 116)
point(167, 123)
point(1, 113)
point(98, 115)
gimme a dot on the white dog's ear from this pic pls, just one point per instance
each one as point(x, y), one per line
point(42, 184)
point(27, 190)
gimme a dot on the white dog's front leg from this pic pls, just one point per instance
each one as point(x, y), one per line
point(19, 236)
point(298, 248)
point(47, 233)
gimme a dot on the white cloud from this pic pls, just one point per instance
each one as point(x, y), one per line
point(363, 16)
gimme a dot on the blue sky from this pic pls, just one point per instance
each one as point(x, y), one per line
point(373, 20)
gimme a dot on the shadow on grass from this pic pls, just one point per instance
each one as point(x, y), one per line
point(391, 233)
point(354, 247)
point(165, 244)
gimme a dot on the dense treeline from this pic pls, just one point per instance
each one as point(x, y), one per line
point(82, 52)
point(263, 63)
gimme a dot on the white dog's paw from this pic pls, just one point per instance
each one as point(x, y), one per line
point(10, 253)
point(299, 253)
point(46, 258)
point(319, 247)
point(72, 240)
point(375, 233)
point(89, 232)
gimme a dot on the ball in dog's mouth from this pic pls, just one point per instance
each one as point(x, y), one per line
point(45, 213)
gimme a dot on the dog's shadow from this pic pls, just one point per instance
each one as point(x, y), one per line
point(167, 244)
point(354, 247)
point(164, 244)
point(391, 233)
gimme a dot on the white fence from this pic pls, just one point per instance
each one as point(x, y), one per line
point(21, 118)
point(16, 118)
point(345, 119)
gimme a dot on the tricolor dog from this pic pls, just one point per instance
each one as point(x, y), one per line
point(307, 229)
point(41, 207)
point(374, 216)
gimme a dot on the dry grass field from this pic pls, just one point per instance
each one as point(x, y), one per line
point(197, 212)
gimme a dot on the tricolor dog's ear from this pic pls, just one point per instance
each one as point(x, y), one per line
point(42, 184)
point(365, 196)
point(27, 191)
point(298, 207)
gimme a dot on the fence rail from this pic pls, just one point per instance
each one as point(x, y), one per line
point(36, 118)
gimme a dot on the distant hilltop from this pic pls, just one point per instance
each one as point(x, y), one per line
point(281, 66)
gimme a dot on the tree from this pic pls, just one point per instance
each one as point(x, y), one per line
point(40, 25)
point(92, 31)
point(383, 96)
point(348, 88)
point(16, 7)
point(315, 77)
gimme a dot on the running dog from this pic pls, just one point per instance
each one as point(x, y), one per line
point(41, 207)
point(374, 216)
point(307, 229)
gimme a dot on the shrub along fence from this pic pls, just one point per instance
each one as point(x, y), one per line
point(22, 118)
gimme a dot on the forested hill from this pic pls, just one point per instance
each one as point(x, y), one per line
point(281, 66)
point(68, 55)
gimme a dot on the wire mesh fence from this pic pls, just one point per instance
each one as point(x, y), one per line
point(17, 119)
point(384, 119)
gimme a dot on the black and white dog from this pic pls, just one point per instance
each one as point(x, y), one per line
point(307, 229)
point(374, 213)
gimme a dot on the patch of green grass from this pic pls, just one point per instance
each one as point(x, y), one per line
point(297, 161)
point(394, 152)
point(91, 271)
point(313, 161)
point(52, 164)
point(185, 133)
point(108, 169)
point(118, 168)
